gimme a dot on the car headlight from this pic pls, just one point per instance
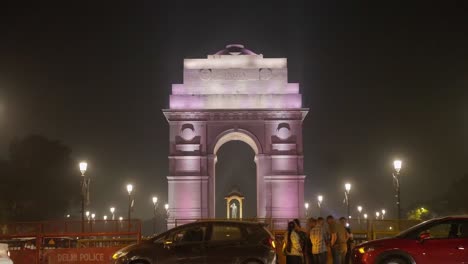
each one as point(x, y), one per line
point(119, 254)
point(366, 249)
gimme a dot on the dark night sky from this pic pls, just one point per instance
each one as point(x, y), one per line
point(380, 81)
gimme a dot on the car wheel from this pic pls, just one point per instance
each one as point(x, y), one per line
point(394, 260)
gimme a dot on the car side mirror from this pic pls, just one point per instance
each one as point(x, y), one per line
point(168, 244)
point(423, 237)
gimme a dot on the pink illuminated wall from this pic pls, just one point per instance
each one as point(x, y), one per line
point(235, 95)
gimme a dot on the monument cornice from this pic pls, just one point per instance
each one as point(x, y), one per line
point(234, 114)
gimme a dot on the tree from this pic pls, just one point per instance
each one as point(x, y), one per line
point(40, 181)
point(420, 213)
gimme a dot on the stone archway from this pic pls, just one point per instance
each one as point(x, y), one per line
point(235, 94)
point(224, 137)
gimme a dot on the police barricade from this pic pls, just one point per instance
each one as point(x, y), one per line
point(63, 242)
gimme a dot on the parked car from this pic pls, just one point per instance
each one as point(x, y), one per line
point(5, 254)
point(442, 240)
point(208, 242)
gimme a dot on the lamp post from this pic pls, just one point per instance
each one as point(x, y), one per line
point(319, 202)
point(396, 182)
point(129, 190)
point(359, 208)
point(112, 210)
point(306, 205)
point(383, 214)
point(155, 206)
point(105, 217)
point(166, 206)
point(377, 214)
point(365, 216)
point(84, 191)
point(87, 215)
point(347, 189)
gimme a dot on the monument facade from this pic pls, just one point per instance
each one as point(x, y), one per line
point(235, 94)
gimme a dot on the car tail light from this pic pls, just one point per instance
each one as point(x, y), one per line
point(270, 242)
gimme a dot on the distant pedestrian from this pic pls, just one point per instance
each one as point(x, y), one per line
point(308, 256)
point(319, 239)
point(349, 242)
point(292, 246)
point(338, 243)
point(302, 235)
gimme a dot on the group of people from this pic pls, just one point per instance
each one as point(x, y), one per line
point(311, 245)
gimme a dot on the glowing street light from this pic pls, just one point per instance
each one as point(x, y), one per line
point(87, 215)
point(166, 206)
point(84, 191)
point(377, 214)
point(383, 213)
point(365, 216)
point(155, 206)
point(397, 164)
point(319, 203)
point(359, 208)
point(306, 205)
point(348, 187)
point(93, 216)
point(112, 210)
point(83, 167)
point(105, 217)
point(129, 190)
point(347, 190)
point(120, 218)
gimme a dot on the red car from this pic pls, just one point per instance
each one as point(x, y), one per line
point(442, 240)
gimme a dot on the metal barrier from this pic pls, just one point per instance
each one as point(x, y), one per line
point(68, 241)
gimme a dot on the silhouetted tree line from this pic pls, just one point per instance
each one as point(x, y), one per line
point(451, 202)
point(38, 180)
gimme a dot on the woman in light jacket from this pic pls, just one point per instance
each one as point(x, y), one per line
point(292, 248)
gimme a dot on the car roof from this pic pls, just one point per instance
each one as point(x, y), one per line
point(454, 217)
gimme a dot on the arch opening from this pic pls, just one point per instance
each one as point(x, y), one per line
point(236, 170)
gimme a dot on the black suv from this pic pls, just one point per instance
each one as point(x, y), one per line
point(205, 242)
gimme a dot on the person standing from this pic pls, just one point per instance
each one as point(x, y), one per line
point(318, 239)
point(308, 256)
point(303, 237)
point(292, 246)
point(338, 243)
point(329, 236)
point(349, 242)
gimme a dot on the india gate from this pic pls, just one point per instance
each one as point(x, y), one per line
point(235, 94)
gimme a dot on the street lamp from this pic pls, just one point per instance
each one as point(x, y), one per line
point(319, 203)
point(129, 190)
point(155, 206)
point(105, 217)
point(365, 216)
point(383, 213)
point(359, 208)
point(397, 164)
point(347, 189)
point(87, 215)
point(166, 206)
point(377, 214)
point(112, 210)
point(84, 191)
point(93, 216)
point(306, 205)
